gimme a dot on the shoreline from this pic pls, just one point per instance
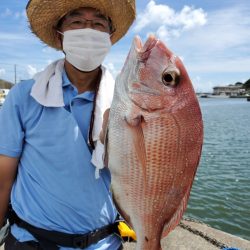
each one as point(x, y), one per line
point(221, 96)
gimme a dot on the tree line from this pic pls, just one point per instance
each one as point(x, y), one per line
point(246, 85)
point(5, 84)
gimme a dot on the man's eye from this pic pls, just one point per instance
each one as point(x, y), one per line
point(76, 22)
point(99, 24)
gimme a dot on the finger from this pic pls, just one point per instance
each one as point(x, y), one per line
point(104, 126)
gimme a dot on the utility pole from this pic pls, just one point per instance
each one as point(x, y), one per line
point(15, 72)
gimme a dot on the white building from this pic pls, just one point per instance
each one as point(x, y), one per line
point(3, 94)
point(230, 90)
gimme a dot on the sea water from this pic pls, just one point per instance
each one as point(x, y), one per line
point(220, 195)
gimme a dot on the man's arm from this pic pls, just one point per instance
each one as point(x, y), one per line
point(8, 169)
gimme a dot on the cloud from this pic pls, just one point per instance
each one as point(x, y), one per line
point(190, 18)
point(18, 15)
point(221, 32)
point(2, 72)
point(167, 22)
point(31, 70)
point(112, 69)
point(49, 61)
point(13, 36)
point(222, 45)
point(48, 50)
point(6, 13)
point(201, 85)
point(153, 14)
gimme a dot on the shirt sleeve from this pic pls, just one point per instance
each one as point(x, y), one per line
point(11, 129)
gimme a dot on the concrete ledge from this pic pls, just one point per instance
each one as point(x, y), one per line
point(185, 237)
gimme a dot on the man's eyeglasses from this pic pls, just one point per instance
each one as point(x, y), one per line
point(100, 24)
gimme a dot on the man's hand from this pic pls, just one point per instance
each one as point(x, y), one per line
point(4, 231)
point(8, 169)
point(104, 125)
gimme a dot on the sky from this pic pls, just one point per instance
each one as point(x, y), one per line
point(212, 37)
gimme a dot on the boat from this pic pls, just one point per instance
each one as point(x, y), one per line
point(248, 99)
point(203, 96)
point(219, 96)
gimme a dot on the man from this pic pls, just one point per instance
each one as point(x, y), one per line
point(50, 154)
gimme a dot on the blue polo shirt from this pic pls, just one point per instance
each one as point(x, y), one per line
point(55, 188)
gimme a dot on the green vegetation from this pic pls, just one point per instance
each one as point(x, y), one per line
point(5, 85)
point(247, 84)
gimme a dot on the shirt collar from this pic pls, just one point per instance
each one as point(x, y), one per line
point(88, 95)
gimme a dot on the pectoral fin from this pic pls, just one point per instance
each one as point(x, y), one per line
point(139, 143)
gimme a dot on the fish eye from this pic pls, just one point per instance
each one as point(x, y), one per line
point(170, 79)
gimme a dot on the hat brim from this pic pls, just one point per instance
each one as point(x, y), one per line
point(44, 15)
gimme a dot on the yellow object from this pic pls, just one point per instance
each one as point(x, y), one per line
point(126, 231)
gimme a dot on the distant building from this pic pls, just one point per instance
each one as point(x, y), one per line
point(3, 94)
point(4, 91)
point(230, 90)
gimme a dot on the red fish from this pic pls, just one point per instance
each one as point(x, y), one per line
point(154, 141)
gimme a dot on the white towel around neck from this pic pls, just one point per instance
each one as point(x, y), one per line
point(47, 90)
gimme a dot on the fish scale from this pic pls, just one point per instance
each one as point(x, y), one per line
point(153, 142)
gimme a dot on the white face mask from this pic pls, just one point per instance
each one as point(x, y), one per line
point(86, 48)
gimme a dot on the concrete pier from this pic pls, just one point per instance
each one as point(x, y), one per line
point(190, 235)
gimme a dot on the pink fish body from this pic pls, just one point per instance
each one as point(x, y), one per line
point(154, 141)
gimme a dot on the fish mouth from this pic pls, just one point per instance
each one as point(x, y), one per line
point(142, 50)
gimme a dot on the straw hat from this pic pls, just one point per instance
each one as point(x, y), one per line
point(44, 15)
